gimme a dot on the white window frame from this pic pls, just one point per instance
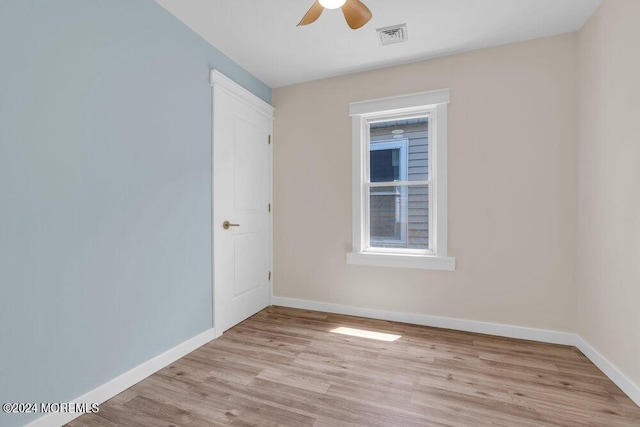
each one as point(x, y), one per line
point(434, 105)
point(402, 145)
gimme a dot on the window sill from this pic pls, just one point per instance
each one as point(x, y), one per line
point(425, 262)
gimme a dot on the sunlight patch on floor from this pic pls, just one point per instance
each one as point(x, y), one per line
point(362, 333)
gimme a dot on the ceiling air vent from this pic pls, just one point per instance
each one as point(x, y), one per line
point(393, 34)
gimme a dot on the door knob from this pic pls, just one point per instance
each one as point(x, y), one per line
point(227, 224)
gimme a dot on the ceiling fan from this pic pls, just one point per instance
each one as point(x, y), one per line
point(355, 12)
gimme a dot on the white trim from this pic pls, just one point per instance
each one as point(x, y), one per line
point(217, 79)
point(401, 103)
point(119, 384)
point(438, 176)
point(631, 389)
point(403, 260)
point(359, 160)
point(497, 329)
point(396, 183)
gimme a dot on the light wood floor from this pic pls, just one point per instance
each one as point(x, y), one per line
point(285, 367)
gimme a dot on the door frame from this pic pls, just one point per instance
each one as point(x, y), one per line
point(220, 82)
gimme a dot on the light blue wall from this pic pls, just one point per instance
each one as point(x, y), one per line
point(105, 193)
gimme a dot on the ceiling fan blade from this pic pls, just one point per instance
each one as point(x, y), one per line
point(356, 13)
point(312, 14)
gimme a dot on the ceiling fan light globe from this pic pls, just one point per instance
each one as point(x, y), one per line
point(332, 4)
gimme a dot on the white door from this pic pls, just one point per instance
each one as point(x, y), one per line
point(242, 237)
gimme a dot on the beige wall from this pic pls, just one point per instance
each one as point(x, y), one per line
point(513, 134)
point(609, 196)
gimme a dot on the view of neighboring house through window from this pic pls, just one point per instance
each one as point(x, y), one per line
point(398, 184)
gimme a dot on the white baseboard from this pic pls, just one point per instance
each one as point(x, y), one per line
point(520, 332)
point(126, 380)
point(630, 388)
point(553, 337)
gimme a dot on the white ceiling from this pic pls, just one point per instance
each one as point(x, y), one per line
point(262, 37)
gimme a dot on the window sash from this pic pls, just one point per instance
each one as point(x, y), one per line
point(366, 198)
point(396, 183)
point(366, 184)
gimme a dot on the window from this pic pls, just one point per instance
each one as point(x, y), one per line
point(400, 182)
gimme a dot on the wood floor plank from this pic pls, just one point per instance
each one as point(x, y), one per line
point(294, 380)
point(284, 367)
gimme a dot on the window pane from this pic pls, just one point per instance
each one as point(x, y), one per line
point(414, 134)
point(385, 216)
point(399, 217)
point(385, 165)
